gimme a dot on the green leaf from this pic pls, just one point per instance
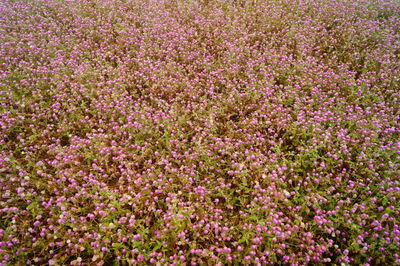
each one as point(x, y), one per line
point(157, 245)
point(117, 245)
point(385, 201)
point(254, 218)
point(244, 239)
point(32, 205)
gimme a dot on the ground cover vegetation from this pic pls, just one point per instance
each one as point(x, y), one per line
point(199, 132)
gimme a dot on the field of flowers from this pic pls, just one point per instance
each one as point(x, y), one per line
point(183, 132)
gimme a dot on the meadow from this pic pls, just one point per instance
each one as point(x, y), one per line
point(212, 132)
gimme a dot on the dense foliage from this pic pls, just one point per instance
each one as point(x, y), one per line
point(190, 132)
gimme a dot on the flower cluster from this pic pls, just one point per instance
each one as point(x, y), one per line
point(193, 132)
